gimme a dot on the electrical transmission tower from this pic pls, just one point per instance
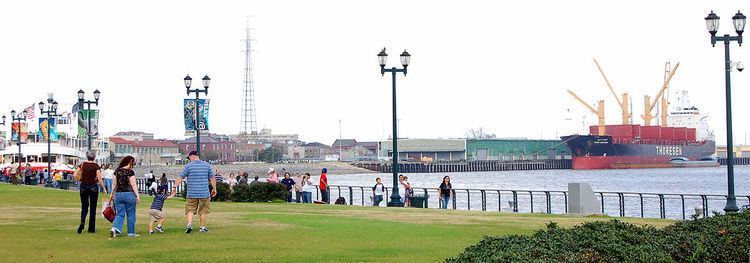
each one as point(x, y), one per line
point(248, 125)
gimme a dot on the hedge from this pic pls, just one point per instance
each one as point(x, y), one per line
point(259, 192)
point(721, 238)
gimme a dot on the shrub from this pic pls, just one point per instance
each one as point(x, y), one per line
point(260, 192)
point(722, 238)
point(222, 192)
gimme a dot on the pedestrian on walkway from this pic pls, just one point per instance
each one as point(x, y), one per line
point(90, 175)
point(199, 174)
point(324, 193)
point(289, 183)
point(125, 197)
point(445, 192)
point(107, 175)
point(377, 192)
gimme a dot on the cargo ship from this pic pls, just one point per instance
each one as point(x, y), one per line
point(634, 146)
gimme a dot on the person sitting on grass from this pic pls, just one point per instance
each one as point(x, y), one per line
point(157, 210)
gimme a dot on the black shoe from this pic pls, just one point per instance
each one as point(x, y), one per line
point(188, 230)
point(80, 228)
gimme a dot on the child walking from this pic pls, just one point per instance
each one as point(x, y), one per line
point(156, 213)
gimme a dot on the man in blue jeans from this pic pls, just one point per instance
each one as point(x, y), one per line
point(199, 174)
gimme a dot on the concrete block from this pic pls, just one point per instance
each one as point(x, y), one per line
point(581, 199)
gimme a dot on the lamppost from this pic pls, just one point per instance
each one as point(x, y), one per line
point(206, 81)
point(382, 58)
point(712, 23)
point(19, 142)
point(51, 111)
point(88, 103)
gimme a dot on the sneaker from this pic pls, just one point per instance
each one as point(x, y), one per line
point(189, 229)
point(150, 232)
point(203, 229)
point(133, 235)
point(160, 229)
point(112, 233)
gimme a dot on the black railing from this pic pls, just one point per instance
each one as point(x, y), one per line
point(622, 204)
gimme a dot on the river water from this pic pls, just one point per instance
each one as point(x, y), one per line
point(706, 181)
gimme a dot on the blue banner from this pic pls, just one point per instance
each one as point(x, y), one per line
point(195, 117)
point(52, 124)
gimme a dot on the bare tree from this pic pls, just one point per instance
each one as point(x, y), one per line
point(479, 133)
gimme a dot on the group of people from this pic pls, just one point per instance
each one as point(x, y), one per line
point(445, 191)
point(25, 174)
point(298, 189)
point(124, 195)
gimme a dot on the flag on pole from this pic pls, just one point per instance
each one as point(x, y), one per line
point(30, 114)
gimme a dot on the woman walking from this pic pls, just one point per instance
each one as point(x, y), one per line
point(107, 175)
point(125, 196)
point(89, 175)
point(445, 192)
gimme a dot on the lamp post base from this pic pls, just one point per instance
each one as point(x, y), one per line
point(731, 206)
point(395, 202)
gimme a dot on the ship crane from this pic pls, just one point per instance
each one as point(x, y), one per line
point(599, 111)
point(648, 106)
point(624, 105)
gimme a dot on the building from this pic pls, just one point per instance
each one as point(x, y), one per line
point(316, 151)
point(739, 151)
point(135, 136)
point(343, 145)
point(266, 136)
point(515, 149)
point(425, 150)
point(148, 152)
point(214, 147)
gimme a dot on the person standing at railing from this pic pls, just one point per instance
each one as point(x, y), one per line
point(377, 192)
point(289, 183)
point(307, 188)
point(324, 193)
point(445, 192)
point(408, 191)
point(298, 187)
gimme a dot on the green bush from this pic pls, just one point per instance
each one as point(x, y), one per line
point(260, 192)
point(222, 192)
point(722, 238)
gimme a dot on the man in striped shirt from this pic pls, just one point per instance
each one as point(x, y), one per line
point(199, 174)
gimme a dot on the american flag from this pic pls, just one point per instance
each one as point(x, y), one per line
point(30, 114)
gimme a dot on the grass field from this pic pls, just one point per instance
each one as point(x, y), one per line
point(38, 225)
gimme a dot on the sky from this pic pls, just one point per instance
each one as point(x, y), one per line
point(501, 65)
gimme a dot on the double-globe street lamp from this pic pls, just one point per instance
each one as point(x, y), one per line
point(712, 23)
point(88, 103)
point(405, 58)
point(19, 141)
point(188, 82)
point(51, 111)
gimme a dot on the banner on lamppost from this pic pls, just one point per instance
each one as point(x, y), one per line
point(43, 124)
point(83, 117)
point(19, 130)
point(3, 143)
point(196, 116)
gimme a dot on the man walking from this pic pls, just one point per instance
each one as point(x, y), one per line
point(199, 174)
point(324, 186)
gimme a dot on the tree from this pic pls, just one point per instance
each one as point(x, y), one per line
point(269, 155)
point(479, 133)
point(210, 156)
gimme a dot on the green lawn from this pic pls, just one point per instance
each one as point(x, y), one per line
point(38, 225)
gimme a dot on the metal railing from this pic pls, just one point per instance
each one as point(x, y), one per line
point(619, 204)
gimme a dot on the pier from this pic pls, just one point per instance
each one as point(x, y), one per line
point(472, 166)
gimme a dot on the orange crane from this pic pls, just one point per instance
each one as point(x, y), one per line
point(599, 111)
point(624, 104)
point(648, 106)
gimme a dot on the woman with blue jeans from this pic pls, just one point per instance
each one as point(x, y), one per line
point(126, 197)
point(107, 175)
point(445, 192)
point(307, 188)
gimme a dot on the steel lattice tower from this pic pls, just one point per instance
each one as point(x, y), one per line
point(248, 125)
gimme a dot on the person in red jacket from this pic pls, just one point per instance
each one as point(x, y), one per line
point(324, 193)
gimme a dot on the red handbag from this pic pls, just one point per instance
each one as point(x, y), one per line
point(109, 212)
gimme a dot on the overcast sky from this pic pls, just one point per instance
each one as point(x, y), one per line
point(504, 66)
